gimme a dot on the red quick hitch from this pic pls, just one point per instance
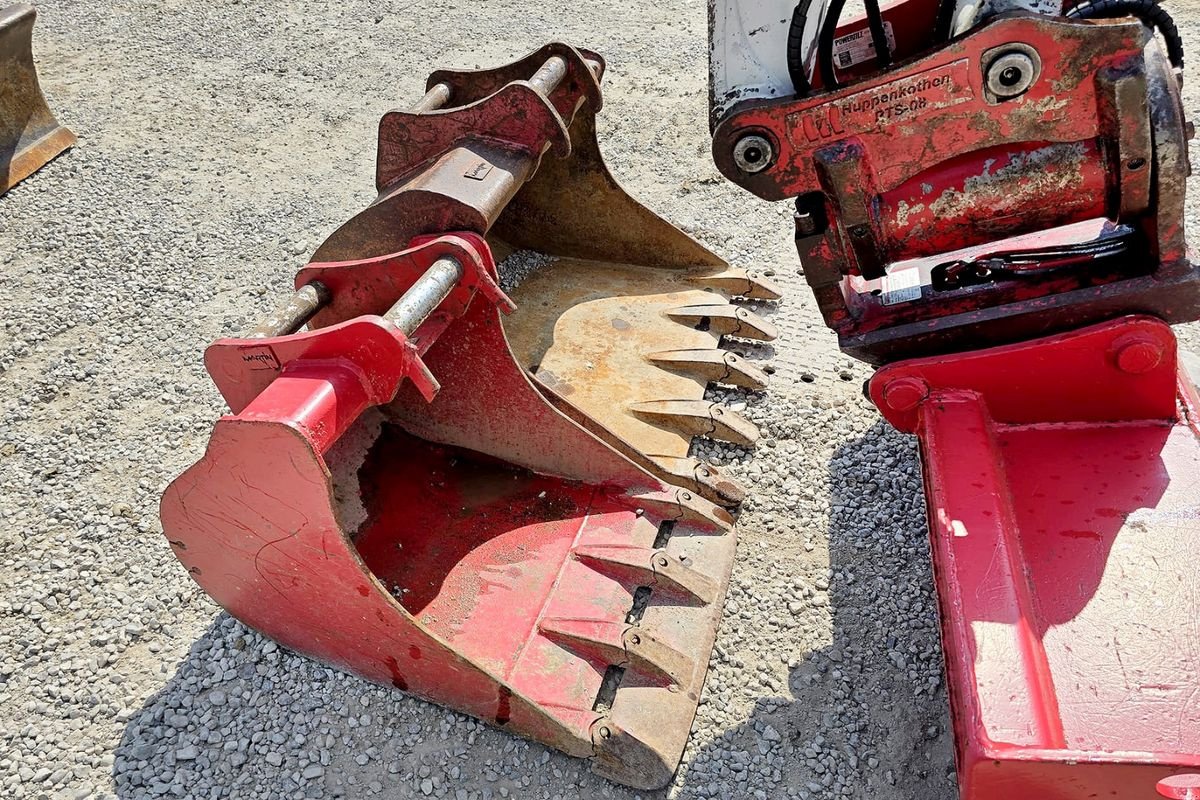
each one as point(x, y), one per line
point(362, 349)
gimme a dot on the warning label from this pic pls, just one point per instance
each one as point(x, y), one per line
point(902, 286)
point(854, 48)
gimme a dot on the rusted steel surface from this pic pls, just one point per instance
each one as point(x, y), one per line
point(589, 330)
point(1061, 478)
point(294, 312)
point(512, 153)
point(925, 160)
point(30, 136)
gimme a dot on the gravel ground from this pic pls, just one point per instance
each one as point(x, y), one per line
point(219, 142)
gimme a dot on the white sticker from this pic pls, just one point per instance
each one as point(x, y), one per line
point(857, 47)
point(901, 287)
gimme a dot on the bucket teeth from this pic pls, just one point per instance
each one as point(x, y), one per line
point(709, 481)
point(621, 645)
point(646, 566)
point(725, 319)
point(712, 366)
point(742, 283)
point(699, 418)
point(680, 505)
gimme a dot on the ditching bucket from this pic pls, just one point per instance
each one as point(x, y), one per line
point(29, 134)
point(400, 492)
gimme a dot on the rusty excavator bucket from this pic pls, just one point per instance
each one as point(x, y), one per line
point(30, 136)
point(474, 482)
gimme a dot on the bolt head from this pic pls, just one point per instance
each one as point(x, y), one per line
point(1011, 74)
point(1139, 356)
point(753, 153)
point(1180, 787)
point(905, 394)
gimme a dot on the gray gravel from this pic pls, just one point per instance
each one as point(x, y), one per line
point(219, 142)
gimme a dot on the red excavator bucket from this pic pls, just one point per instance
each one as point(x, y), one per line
point(454, 536)
point(518, 532)
point(1062, 481)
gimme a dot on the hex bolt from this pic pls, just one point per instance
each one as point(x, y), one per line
point(1011, 74)
point(1138, 356)
point(905, 394)
point(605, 733)
point(753, 153)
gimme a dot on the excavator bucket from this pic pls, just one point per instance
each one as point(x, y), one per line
point(473, 482)
point(30, 136)
point(613, 303)
point(1061, 480)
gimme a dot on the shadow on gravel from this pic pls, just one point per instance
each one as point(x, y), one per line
point(868, 715)
point(244, 719)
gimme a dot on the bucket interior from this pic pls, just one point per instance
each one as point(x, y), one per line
point(470, 546)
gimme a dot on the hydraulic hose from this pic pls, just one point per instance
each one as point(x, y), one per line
point(825, 38)
point(1148, 11)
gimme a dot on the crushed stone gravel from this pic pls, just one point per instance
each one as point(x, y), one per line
point(219, 143)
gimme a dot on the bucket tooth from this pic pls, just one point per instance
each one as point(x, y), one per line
point(709, 481)
point(699, 418)
point(645, 566)
point(742, 283)
point(680, 505)
point(30, 136)
point(712, 366)
point(725, 319)
point(621, 645)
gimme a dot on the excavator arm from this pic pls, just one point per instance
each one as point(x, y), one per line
point(990, 203)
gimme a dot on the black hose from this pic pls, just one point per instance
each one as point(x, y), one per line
point(795, 48)
point(883, 53)
point(825, 39)
point(1148, 11)
point(795, 43)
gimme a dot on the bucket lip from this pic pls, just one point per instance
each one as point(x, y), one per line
point(30, 158)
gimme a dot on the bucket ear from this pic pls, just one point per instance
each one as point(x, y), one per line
point(30, 136)
point(622, 320)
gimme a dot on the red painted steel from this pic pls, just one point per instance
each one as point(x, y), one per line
point(465, 541)
point(925, 160)
point(1062, 480)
